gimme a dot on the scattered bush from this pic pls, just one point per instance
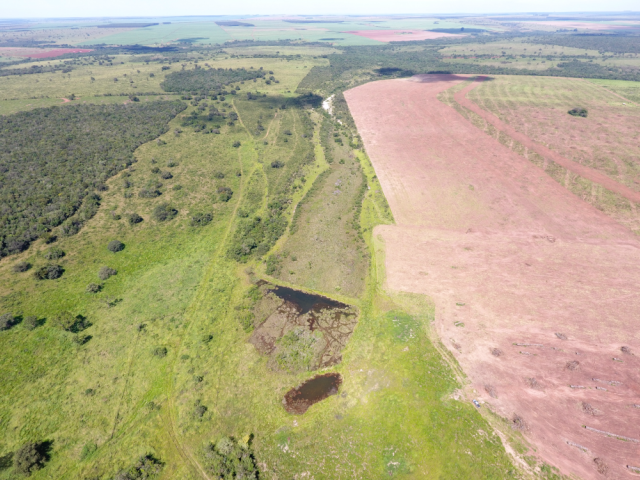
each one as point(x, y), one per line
point(155, 170)
point(199, 411)
point(277, 164)
point(219, 175)
point(229, 459)
point(166, 175)
point(115, 246)
point(201, 219)
point(30, 458)
point(30, 322)
point(71, 323)
point(48, 272)
point(149, 193)
point(105, 272)
point(164, 212)
point(578, 112)
point(134, 218)
point(7, 321)
point(160, 352)
point(236, 144)
point(53, 253)
point(21, 267)
point(93, 288)
point(146, 468)
point(172, 163)
point(225, 194)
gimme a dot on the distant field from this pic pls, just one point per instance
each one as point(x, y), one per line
point(197, 32)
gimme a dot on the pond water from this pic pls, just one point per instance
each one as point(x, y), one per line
point(298, 400)
point(306, 302)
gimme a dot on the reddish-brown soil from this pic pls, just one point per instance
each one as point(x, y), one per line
point(583, 25)
point(39, 52)
point(511, 259)
point(58, 52)
point(400, 35)
point(582, 170)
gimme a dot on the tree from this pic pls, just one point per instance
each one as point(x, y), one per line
point(201, 219)
point(93, 288)
point(30, 458)
point(134, 218)
point(30, 322)
point(115, 246)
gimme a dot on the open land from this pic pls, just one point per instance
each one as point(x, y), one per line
point(513, 261)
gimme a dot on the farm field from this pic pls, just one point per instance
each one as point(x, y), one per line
point(523, 273)
point(159, 360)
point(605, 141)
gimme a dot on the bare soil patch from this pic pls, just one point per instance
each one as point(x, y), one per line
point(400, 35)
point(538, 277)
point(299, 399)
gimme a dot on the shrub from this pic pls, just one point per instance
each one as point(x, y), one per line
point(578, 112)
point(134, 218)
point(277, 164)
point(160, 352)
point(7, 321)
point(54, 253)
point(219, 175)
point(201, 219)
point(30, 322)
point(164, 212)
point(146, 468)
point(149, 193)
point(21, 267)
point(115, 246)
point(229, 459)
point(105, 272)
point(172, 163)
point(236, 144)
point(155, 170)
point(199, 411)
point(30, 458)
point(166, 175)
point(70, 322)
point(287, 132)
point(48, 272)
point(93, 288)
point(225, 194)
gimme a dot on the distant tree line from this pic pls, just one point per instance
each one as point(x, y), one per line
point(206, 79)
point(53, 160)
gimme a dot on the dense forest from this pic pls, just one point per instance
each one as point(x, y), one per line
point(205, 79)
point(53, 159)
point(602, 43)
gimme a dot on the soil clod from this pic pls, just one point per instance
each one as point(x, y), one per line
point(298, 400)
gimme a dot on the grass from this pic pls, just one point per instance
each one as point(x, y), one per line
point(176, 288)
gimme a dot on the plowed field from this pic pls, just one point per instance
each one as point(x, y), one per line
point(536, 291)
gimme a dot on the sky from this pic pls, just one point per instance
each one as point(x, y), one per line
point(127, 8)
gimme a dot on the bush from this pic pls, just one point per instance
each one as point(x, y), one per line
point(229, 459)
point(53, 253)
point(149, 193)
point(93, 288)
point(71, 323)
point(30, 458)
point(172, 163)
point(164, 212)
point(225, 194)
point(166, 175)
point(160, 352)
point(115, 246)
point(236, 144)
point(146, 468)
point(578, 112)
point(21, 267)
point(134, 218)
point(30, 322)
point(105, 272)
point(201, 219)
point(7, 321)
point(277, 164)
point(155, 170)
point(48, 272)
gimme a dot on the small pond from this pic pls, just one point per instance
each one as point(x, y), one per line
point(298, 400)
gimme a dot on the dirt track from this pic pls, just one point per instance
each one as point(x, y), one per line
point(509, 253)
point(586, 172)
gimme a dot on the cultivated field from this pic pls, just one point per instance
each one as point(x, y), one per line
point(535, 290)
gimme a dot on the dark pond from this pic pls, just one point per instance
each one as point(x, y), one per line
point(298, 400)
point(305, 302)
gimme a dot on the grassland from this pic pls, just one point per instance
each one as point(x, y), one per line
point(177, 288)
